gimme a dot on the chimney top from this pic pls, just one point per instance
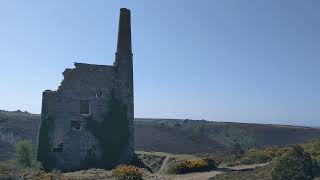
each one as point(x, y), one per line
point(125, 10)
point(124, 32)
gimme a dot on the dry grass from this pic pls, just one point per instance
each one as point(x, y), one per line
point(90, 174)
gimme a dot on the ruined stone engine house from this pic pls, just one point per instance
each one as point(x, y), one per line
point(64, 140)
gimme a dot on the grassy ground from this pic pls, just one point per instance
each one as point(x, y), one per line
point(159, 162)
point(155, 160)
point(185, 139)
point(89, 174)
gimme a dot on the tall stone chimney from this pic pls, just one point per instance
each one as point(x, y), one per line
point(124, 72)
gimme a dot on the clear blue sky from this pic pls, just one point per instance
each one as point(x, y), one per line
point(224, 60)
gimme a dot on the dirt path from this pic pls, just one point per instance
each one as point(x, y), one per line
point(246, 167)
point(164, 163)
point(202, 175)
point(161, 174)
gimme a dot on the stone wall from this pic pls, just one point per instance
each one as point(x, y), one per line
point(86, 82)
point(84, 95)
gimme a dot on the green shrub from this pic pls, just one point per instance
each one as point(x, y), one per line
point(124, 172)
point(186, 166)
point(23, 165)
point(295, 166)
point(24, 153)
point(211, 164)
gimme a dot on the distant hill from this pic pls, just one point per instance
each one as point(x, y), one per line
point(199, 136)
point(170, 135)
point(16, 125)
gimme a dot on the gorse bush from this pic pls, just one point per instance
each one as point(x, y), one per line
point(270, 153)
point(37, 174)
point(186, 166)
point(313, 148)
point(13, 170)
point(254, 156)
point(124, 172)
point(9, 169)
point(296, 165)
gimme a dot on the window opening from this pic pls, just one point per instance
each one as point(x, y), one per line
point(85, 107)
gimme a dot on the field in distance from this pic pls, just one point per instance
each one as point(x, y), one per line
point(176, 136)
